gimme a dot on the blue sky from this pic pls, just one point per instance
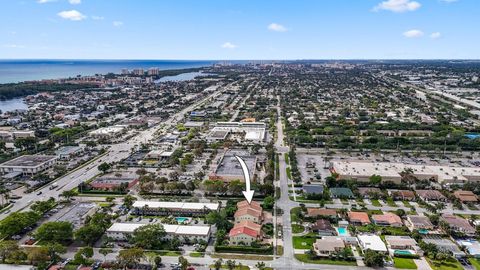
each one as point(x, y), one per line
point(240, 29)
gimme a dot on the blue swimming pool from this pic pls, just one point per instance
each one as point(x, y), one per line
point(403, 252)
point(181, 219)
point(423, 231)
point(342, 231)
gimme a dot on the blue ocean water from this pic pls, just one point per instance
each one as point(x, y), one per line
point(25, 70)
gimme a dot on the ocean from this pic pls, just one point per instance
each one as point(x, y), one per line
point(12, 71)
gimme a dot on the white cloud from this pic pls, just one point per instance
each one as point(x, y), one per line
point(229, 45)
point(45, 1)
point(72, 15)
point(117, 23)
point(14, 46)
point(398, 5)
point(414, 33)
point(75, 2)
point(277, 27)
point(97, 18)
point(436, 35)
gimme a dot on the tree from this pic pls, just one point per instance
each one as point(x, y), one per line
point(375, 179)
point(7, 247)
point(89, 234)
point(268, 202)
point(149, 236)
point(54, 249)
point(130, 257)
point(260, 265)
point(17, 221)
point(183, 263)
point(373, 258)
point(104, 167)
point(83, 254)
point(105, 252)
point(218, 264)
point(37, 255)
point(128, 201)
point(56, 231)
point(231, 264)
point(158, 261)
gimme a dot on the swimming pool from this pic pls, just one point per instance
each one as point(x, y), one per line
point(342, 231)
point(181, 219)
point(403, 252)
point(423, 231)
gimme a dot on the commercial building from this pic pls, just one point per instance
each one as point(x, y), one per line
point(253, 131)
point(391, 171)
point(115, 181)
point(67, 152)
point(28, 164)
point(173, 208)
point(108, 132)
point(227, 168)
point(120, 231)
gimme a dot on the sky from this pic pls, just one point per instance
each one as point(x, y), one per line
point(239, 29)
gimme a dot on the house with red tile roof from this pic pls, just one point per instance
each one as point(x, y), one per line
point(252, 204)
point(358, 218)
point(465, 196)
point(321, 212)
point(252, 212)
point(244, 233)
point(387, 219)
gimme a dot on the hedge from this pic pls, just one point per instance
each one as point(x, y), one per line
point(244, 249)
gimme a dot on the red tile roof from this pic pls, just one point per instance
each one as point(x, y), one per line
point(244, 230)
point(358, 217)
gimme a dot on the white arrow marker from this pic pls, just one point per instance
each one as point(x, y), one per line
point(247, 193)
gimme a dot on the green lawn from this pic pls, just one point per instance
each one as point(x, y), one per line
point(303, 242)
point(244, 267)
point(396, 230)
point(407, 204)
point(295, 214)
point(297, 228)
point(391, 203)
point(475, 263)
point(196, 254)
point(404, 263)
point(442, 265)
point(289, 172)
point(376, 203)
point(287, 160)
point(305, 258)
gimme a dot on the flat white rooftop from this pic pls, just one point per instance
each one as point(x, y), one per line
point(177, 205)
point(393, 170)
point(169, 229)
point(371, 241)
